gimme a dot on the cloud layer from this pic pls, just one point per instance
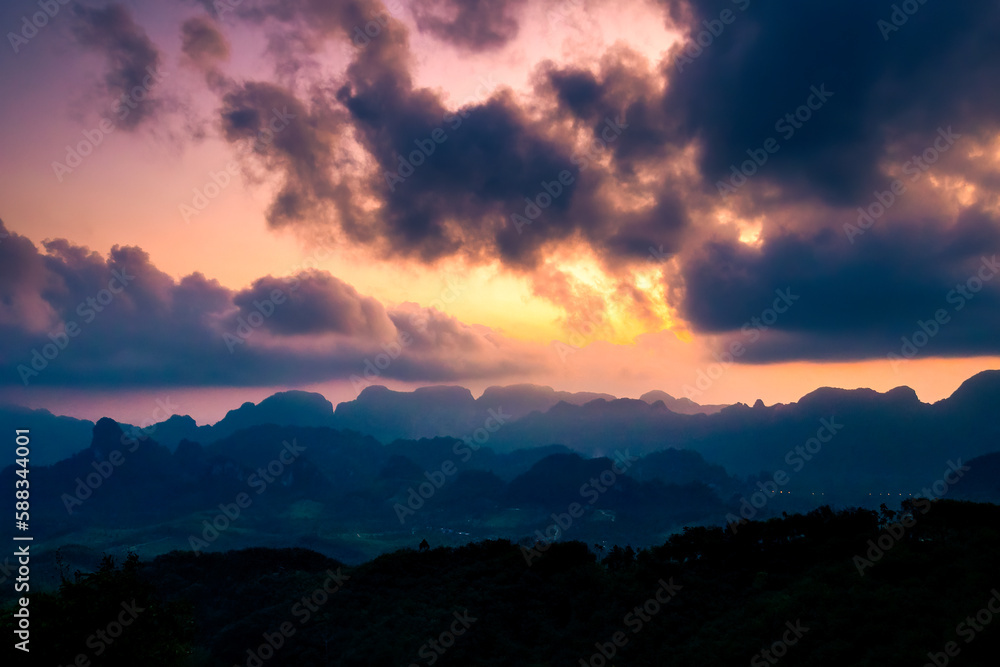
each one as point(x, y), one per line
point(72, 318)
point(845, 152)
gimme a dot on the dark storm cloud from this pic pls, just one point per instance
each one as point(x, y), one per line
point(316, 303)
point(622, 94)
point(652, 235)
point(23, 279)
point(855, 301)
point(203, 43)
point(74, 318)
point(440, 180)
point(578, 90)
point(133, 60)
point(474, 25)
point(490, 160)
point(644, 145)
point(303, 137)
point(725, 98)
point(293, 139)
point(446, 179)
point(890, 87)
point(624, 87)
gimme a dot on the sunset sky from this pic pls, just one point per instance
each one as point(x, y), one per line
point(725, 200)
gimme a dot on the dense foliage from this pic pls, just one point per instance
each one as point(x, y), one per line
point(733, 596)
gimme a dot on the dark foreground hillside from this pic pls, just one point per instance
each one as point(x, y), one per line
point(848, 588)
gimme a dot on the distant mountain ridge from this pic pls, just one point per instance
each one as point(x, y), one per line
point(55, 437)
point(682, 406)
point(741, 438)
point(348, 493)
point(387, 415)
point(324, 486)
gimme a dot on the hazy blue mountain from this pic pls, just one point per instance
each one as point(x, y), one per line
point(323, 488)
point(287, 408)
point(982, 481)
point(428, 412)
point(880, 443)
point(384, 414)
point(682, 406)
point(521, 399)
point(885, 442)
point(53, 438)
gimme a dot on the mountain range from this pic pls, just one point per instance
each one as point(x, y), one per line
point(384, 414)
point(373, 474)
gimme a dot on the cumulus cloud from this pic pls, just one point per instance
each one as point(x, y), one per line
point(77, 319)
point(488, 179)
point(23, 280)
point(855, 301)
point(133, 60)
point(203, 43)
point(316, 302)
point(888, 87)
point(473, 25)
point(299, 141)
point(476, 164)
point(620, 157)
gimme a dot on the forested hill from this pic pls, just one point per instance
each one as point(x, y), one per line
point(849, 588)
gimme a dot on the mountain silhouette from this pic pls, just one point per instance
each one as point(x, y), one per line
point(682, 406)
point(54, 438)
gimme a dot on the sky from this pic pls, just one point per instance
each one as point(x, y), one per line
point(206, 202)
